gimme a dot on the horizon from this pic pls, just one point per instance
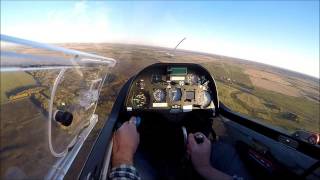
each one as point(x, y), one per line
point(185, 50)
point(286, 37)
point(198, 52)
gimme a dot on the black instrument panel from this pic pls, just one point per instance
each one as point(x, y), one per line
point(176, 88)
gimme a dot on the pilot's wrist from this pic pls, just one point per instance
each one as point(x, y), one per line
point(121, 160)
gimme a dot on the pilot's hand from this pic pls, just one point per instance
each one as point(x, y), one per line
point(200, 157)
point(199, 153)
point(125, 143)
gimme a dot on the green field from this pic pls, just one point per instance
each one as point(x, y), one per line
point(307, 111)
point(13, 80)
point(222, 71)
point(268, 107)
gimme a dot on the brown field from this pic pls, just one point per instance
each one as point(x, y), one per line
point(272, 82)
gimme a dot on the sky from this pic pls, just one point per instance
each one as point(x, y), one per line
point(279, 33)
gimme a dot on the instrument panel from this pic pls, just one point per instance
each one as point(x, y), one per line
point(173, 87)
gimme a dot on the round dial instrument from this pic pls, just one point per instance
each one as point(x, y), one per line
point(159, 95)
point(205, 99)
point(139, 100)
point(192, 79)
point(140, 84)
point(175, 94)
point(156, 78)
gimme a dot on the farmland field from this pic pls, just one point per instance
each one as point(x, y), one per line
point(11, 80)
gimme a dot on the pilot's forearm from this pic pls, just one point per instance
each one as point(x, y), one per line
point(211, 173)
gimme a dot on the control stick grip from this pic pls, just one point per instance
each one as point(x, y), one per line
point(137, 121)
point(199, 138)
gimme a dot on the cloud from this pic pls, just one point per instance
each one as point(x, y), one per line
point(80, 7)
point(76, 24)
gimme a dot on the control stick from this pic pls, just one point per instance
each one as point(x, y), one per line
point(199, 138)
point(137, 121)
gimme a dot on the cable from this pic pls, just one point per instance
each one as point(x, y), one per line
point(53, 92)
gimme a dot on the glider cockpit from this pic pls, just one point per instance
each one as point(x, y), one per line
point(59, 128)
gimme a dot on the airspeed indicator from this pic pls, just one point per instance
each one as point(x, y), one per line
point(139, 100)
point(159, 95)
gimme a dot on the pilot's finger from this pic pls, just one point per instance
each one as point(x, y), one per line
point(190, 144)
point(191, 141)
point(121, 127)
point(207, 140)
point(124, 123)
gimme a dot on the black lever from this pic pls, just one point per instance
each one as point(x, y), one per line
point(199, 138)
point(64, 117)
